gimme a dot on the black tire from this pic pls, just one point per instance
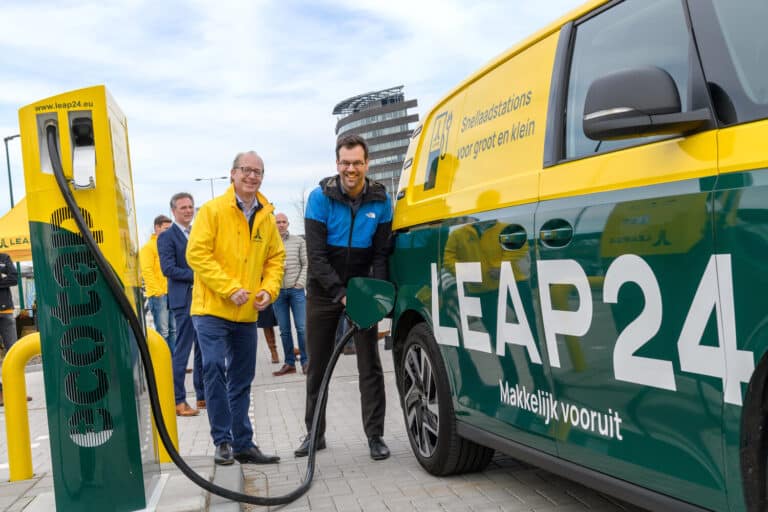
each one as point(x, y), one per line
point(430, 421)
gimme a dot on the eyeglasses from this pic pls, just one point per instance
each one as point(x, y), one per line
point(357, 164)
point(247, 171)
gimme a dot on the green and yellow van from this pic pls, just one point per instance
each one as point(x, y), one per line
point(581, 258)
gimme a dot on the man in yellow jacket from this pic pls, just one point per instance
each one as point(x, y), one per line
point(156, 285)
point(237, 257)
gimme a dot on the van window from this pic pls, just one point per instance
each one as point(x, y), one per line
point(635, 33)
point(733, 46)
point(743, 26)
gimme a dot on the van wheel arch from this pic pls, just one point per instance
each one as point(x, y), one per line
point(405, 323)
point(430, 420)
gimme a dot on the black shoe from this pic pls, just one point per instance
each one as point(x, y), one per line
point(254, 456)
point(223, 455)
point(303, 450)
point(379, 450)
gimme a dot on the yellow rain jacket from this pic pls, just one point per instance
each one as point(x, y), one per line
point(155, 283)
point(225, 256)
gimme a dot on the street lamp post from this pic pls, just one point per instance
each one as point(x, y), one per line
point(10, 189)
point(8, 164)
point(211, 180)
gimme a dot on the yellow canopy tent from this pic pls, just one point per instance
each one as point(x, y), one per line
point(14, 233)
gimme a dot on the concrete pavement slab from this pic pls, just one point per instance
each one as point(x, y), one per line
point(345, 479)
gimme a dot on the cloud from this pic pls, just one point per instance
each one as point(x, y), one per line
point(200, 82)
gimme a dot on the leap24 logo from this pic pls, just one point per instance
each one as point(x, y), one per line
point(9, 242)
point(714, 295)
point(438, 146)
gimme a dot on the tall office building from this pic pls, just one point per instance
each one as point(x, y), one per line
point(382, 118)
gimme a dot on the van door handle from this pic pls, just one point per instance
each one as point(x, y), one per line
point(556, 233)
point(513, 238)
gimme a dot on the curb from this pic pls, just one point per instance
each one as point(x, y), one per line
point(229, 477)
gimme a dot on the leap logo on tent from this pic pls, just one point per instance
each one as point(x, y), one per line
point(8, 243)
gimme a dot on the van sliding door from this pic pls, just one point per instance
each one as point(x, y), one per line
point(624, 239)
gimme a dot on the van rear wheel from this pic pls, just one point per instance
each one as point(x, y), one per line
point(429, 416)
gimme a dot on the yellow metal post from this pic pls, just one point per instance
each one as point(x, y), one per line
point(161, 361)
point(15, 398)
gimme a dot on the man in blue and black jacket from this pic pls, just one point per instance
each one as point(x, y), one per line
point(348, 225)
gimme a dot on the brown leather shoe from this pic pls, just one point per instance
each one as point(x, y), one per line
point(183, 409)
point(285, 370)
point(201, 404)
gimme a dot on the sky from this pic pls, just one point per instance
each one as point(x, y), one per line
point(200, 81)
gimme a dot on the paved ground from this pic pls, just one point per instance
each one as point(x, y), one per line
point(346, 478)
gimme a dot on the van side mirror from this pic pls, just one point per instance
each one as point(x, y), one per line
point(369, 301)
point(638, 103)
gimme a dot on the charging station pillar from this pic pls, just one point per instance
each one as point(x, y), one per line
point(102, 450)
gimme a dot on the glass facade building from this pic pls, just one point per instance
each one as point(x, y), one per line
point(382, 118)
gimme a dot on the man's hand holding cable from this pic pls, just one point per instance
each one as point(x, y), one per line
point(240, 297)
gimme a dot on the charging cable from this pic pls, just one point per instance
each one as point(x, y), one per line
point(119, 293)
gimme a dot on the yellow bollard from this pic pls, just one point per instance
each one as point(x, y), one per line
point(161, 361)
point(16, 414)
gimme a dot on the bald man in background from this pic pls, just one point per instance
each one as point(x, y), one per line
point(292, 298)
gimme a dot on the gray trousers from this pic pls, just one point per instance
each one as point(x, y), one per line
point(7, 333)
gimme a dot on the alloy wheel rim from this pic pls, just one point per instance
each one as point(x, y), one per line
point(420, 401)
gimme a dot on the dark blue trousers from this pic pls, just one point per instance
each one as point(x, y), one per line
point(229, 365)
point(186, 338)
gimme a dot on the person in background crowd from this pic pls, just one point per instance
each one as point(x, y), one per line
point(348, 225)
point(237, 256)
point(172, 247)
point(156, 285)
point(8, 279)
point(267, 323)
point(292, 297)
